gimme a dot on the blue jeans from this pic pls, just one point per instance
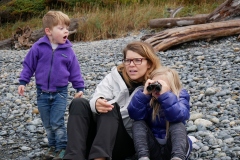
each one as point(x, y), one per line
point(52, 106)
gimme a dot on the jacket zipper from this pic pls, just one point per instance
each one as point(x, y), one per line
point(50, 70)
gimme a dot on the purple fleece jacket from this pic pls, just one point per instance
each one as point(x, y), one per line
point(52, 68)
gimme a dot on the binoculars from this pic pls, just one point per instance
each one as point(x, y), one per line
point(156, 86)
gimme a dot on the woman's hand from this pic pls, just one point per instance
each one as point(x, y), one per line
point(102, 106)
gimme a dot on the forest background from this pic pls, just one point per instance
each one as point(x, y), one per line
point(98, 19)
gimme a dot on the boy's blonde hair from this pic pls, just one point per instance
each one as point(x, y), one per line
point(174, 82)
point(145, 50)
point(53, 18)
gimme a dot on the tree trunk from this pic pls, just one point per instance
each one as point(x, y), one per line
point(171, 37)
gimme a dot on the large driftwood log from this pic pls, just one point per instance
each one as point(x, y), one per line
point(24, 38)
point(171, 37)
point(228, 10)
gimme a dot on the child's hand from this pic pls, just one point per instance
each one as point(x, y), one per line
point(78, 94)
point(21, 90)
point(165, 86)
point(148, 82)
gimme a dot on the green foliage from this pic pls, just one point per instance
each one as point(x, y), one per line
point(103, 18)
point(27, 6)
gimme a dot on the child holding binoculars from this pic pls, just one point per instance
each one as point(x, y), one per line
point(159, 112)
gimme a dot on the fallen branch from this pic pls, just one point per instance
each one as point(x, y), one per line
point(171, 37)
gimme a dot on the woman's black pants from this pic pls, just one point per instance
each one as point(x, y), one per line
point(94, 136)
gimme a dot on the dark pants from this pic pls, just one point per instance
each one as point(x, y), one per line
point(97, 136)
point(146, 145)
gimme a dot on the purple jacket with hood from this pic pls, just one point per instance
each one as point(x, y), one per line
point(173, 109)
point(52, 68)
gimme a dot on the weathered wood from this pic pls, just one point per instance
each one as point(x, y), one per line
point(21, 38)
point(171, 37)
point(230, 9)
point(171, 22)
point(6, 44)
point(173, 12)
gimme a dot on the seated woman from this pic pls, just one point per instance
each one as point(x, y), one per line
point(106, 134)
point(160, 111)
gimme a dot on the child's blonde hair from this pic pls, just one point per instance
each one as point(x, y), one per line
point(53, 18)
point(174, 82)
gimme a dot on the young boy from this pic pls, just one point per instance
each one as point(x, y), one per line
point(54, 64)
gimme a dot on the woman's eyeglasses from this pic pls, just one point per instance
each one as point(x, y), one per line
point(136, 61)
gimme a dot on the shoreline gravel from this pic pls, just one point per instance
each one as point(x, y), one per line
point(210, 71)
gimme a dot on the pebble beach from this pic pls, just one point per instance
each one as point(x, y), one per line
point(210, 71)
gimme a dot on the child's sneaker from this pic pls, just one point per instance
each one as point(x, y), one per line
point(50, 154)
point(59, 155)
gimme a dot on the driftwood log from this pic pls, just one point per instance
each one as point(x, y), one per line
point(223, 21)
point(24, 38)
point(226, 11)
point(172, 22)
point(171, 37)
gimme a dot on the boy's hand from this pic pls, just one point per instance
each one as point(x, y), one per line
point(21, 90)
point(78, 94)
